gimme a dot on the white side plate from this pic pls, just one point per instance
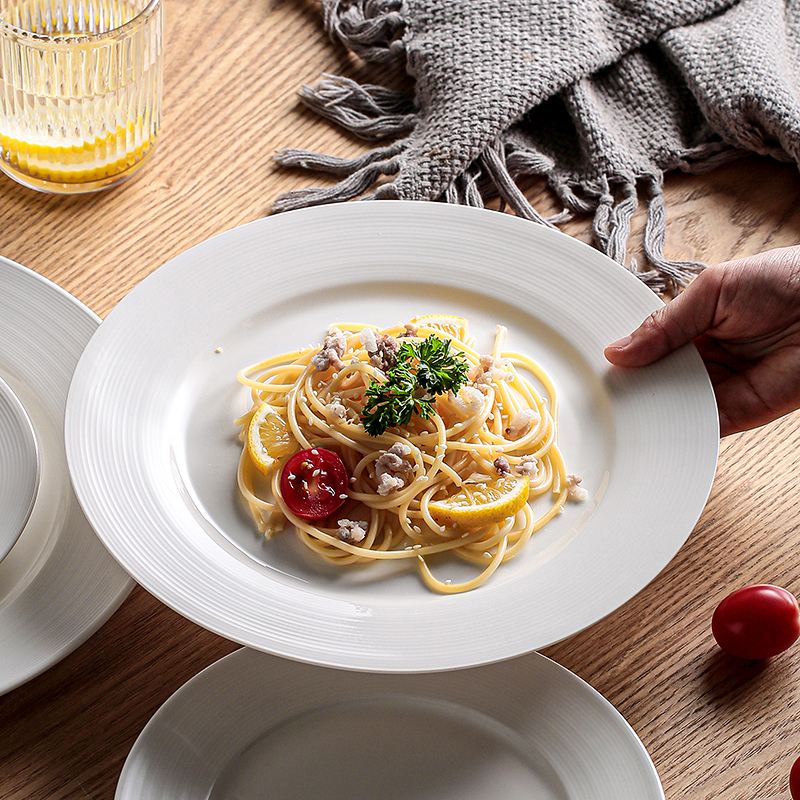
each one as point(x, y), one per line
point(252, 726)
point(58, 584)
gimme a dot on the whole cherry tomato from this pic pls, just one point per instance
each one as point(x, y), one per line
point(756, 621)
point(314, 483)
point(794, 780)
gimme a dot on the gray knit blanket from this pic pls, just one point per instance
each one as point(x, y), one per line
point(600, 96)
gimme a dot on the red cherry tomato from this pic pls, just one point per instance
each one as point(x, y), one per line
point(794, 780)
point(314, 483)
point(756, 622)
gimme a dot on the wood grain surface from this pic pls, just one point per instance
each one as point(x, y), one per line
point(715, 727)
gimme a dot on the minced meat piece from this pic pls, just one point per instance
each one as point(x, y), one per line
point(575, 493)
point(522, 422)
point(331, 352)
point(490, 371)
point(382, 349)
point(529, 465)
point(392, 468)
point(351, 531)
point(502, 466)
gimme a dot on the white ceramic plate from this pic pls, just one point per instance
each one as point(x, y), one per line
point(19, 467)
point(153, 451)
point(58, 584)
point(253, 726)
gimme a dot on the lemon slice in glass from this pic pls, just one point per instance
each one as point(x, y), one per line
point(476, 505)
point(458, 327)
point(268, 439)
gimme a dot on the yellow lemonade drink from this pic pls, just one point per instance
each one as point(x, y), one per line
point(80, 90)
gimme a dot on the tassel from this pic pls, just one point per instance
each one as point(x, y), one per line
point(334, 165)
point(372, 29)
point(464, 190)
point(521, 162)
point(601, 224)
point(581, 205)
point(352, 186)
point(619, 229)
point(655, 234)
point(707, 156)
point(369, 112)
point(492, 159)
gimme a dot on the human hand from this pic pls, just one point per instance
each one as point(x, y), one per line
point(744, 318)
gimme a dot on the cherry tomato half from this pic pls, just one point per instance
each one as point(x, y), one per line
point(794, 780)
point(756, 621)
point(314, 483)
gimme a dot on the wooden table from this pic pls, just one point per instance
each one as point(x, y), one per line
point(715, 727)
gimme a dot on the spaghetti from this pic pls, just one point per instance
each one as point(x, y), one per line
point(455, 481)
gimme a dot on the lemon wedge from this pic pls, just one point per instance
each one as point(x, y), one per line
point(457, 327)
point(268, 438)
point(476, 505)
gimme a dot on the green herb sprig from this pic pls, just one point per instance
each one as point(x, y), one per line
point(423, 371)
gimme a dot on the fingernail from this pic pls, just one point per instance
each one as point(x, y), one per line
point(620, 344)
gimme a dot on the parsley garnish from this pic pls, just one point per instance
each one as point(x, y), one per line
point(423, 370)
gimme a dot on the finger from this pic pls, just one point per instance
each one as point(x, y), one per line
point(677, 323)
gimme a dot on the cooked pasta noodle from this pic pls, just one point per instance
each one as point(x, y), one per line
point(458, 482)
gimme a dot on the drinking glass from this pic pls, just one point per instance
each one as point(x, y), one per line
point(80, 91)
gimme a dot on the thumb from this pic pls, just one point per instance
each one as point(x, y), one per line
point(677, 323)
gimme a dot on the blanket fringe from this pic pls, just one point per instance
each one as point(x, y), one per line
point(611, 225)
point(377, 113)
point(372, 29)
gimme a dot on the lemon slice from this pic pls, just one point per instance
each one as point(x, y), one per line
point(268, 439)
point(476, 505)
point(78, 163)
point(457, 327)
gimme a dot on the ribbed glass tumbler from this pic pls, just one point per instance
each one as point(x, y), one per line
point(80, 91)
